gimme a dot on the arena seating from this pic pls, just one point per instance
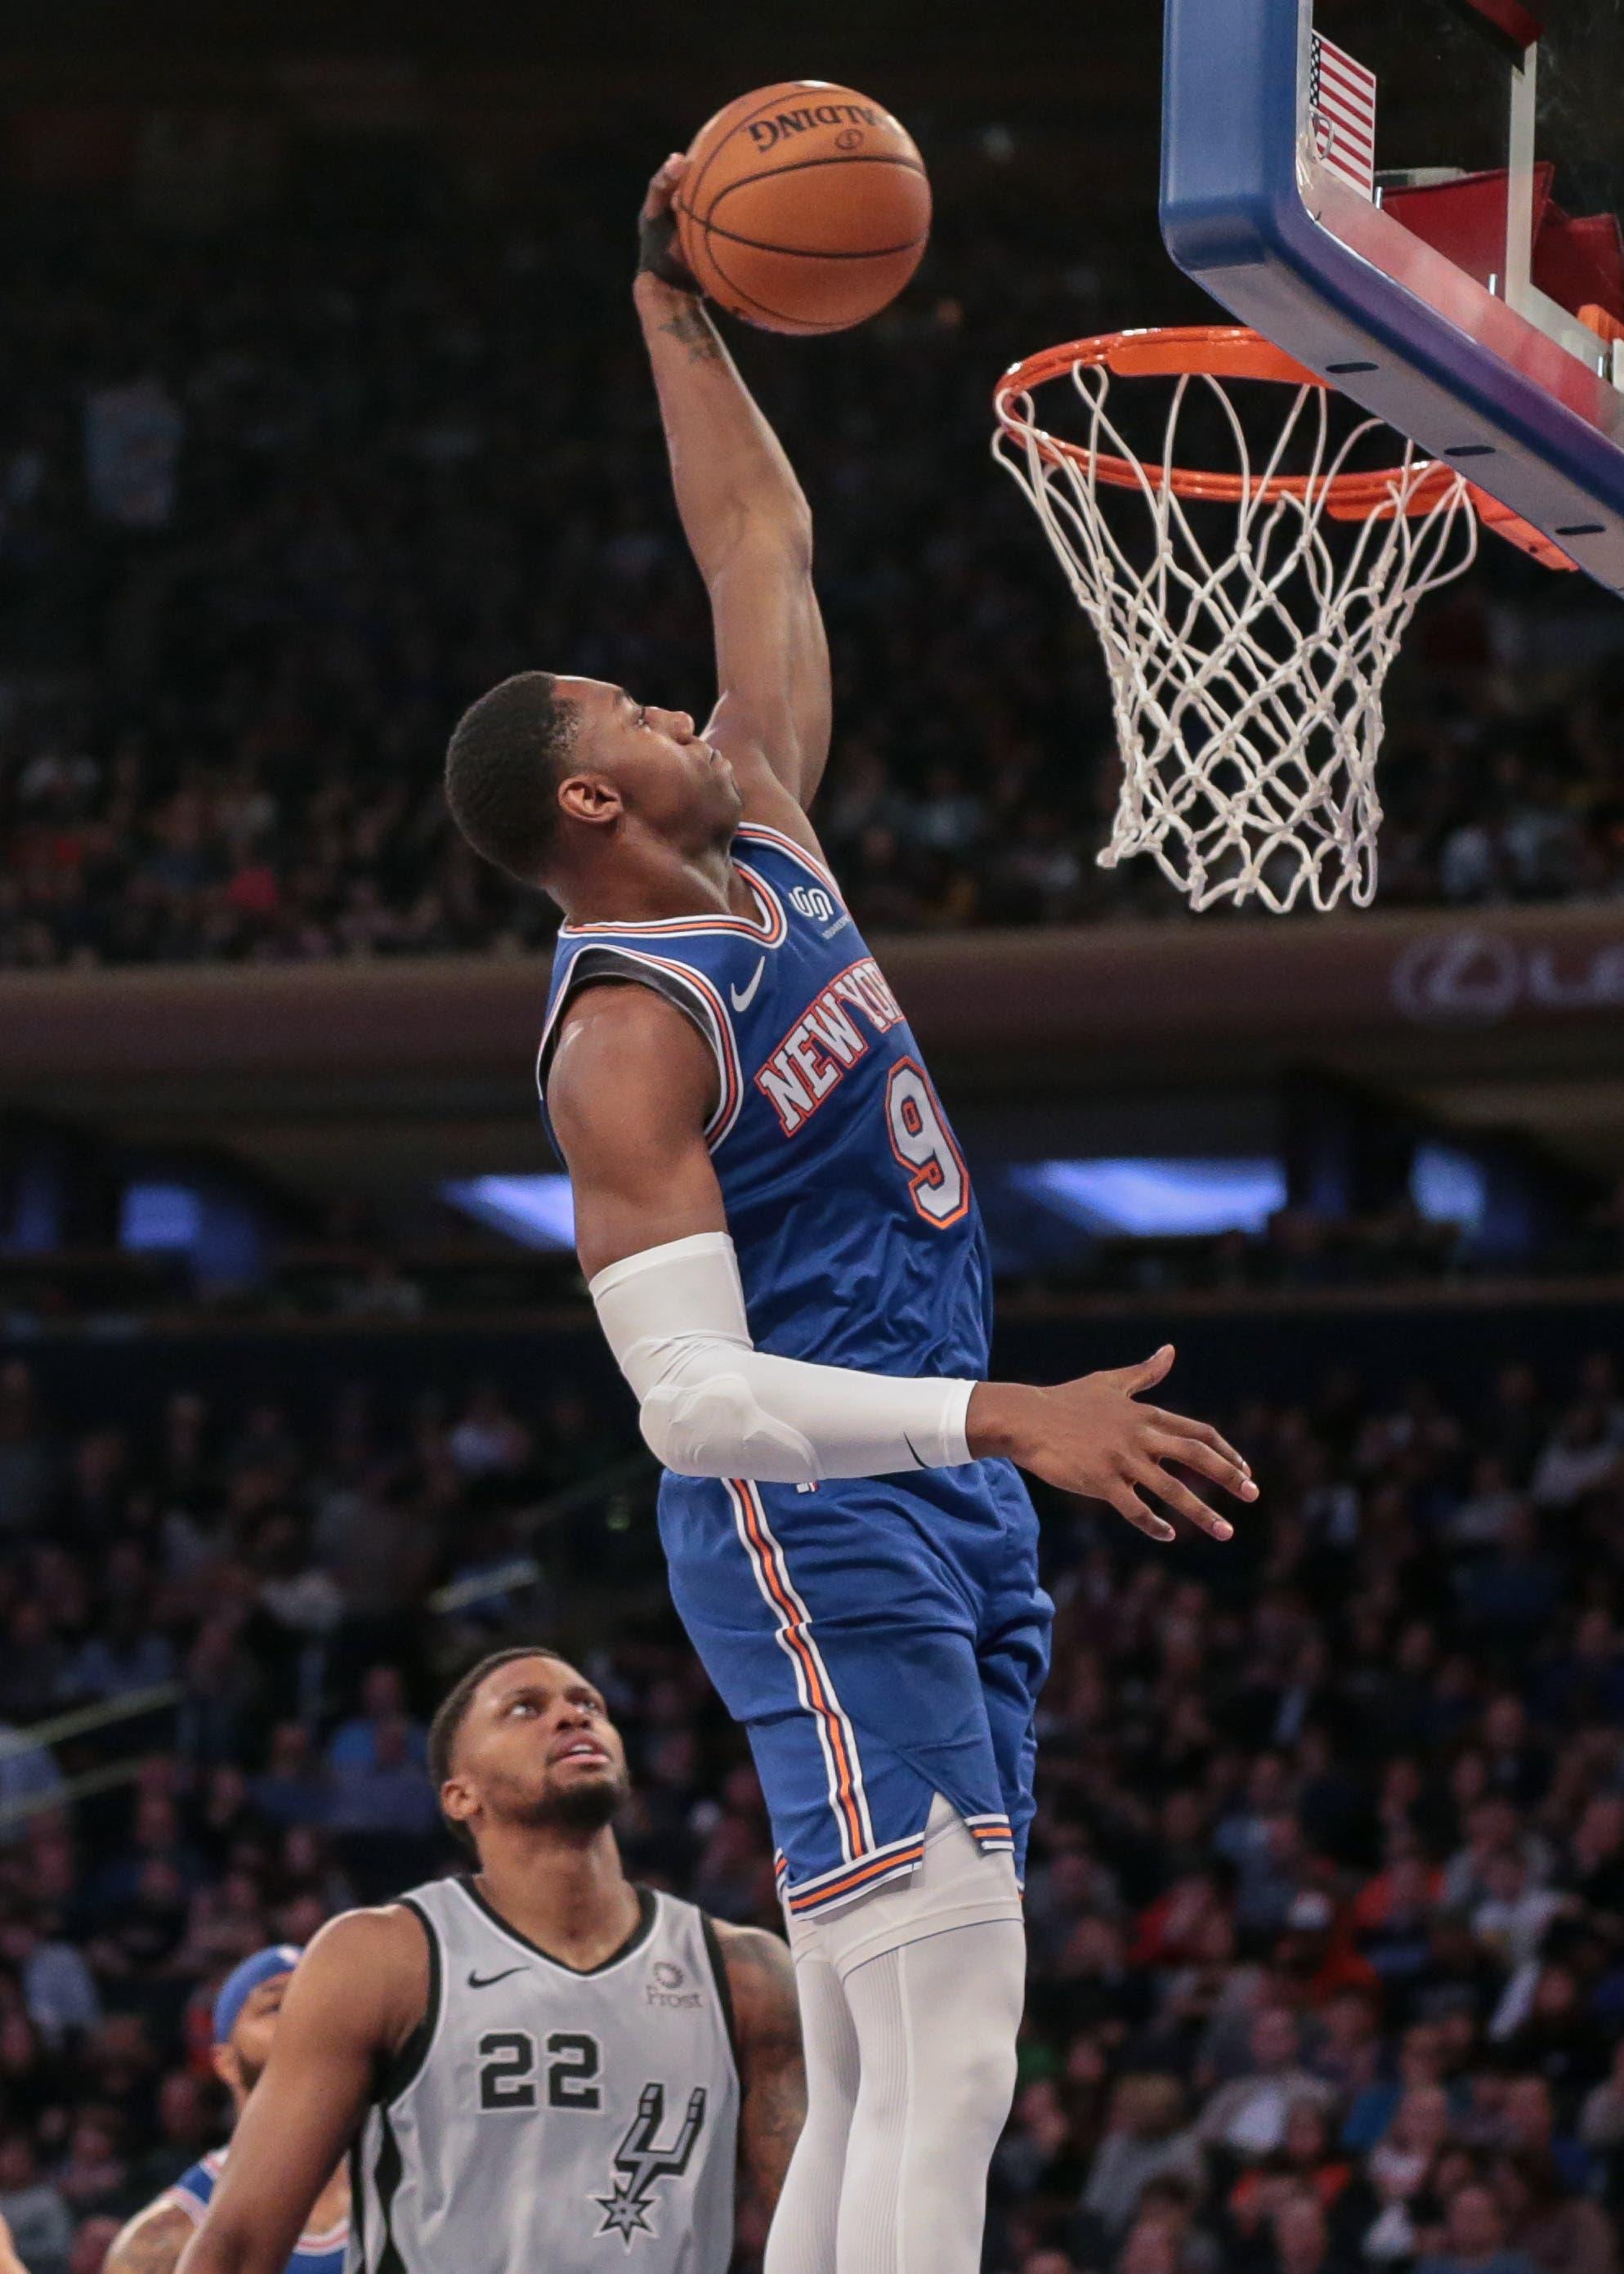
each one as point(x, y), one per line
point(1327, 1882)
point(348, 475)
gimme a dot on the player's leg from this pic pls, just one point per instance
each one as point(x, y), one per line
point(933, 1970)
point(933, 1966)
point(804, 2227)
point(858, 1681)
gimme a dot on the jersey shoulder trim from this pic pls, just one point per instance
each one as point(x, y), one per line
point(758, 833)
point(397, 2074)
point(686, 989)
point(723, 1987)
point(769, 928)
point(331, 2239)
point(180, 2197)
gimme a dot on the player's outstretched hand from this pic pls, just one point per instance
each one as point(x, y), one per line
point(1092, 1436)
point(657, 228)
point(10, 2262)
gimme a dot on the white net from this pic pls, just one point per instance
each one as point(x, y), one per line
point(1247, 675)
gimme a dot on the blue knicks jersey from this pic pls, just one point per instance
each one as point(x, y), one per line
point(315, 2254)
point(882, 1640)
point(859, 1241)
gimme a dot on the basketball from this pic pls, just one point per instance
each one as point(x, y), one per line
point(805, 207)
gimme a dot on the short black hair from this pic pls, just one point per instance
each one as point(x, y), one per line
point(453, 1711)
point(503, 765)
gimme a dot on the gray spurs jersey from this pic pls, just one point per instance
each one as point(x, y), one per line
point(543, 2118)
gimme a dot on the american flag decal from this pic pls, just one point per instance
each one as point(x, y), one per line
point(1341, 116)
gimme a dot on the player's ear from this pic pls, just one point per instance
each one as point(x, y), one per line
point(457, 1800)
point(591, 798)
point(226, 2067)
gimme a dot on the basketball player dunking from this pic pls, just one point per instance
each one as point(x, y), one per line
point(787, 1262)
point(537, 2066)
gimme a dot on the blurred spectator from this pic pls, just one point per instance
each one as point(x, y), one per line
point(1474, 2238)
point(36, 2213)
point(382, 1724)
point(1250, 2115)
point(1144, 2140)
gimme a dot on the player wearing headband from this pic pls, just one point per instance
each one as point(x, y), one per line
point(245, 2011)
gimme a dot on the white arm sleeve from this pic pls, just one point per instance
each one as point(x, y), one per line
point(712, 1406)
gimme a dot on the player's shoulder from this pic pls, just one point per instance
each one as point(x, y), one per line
point(366, 1981)
point(372, 1963)
point(373, 1932)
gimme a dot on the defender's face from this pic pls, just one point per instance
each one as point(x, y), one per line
point(537, 1746)
point(240, 2062)
point(653, 760)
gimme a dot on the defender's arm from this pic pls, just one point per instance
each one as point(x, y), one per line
point(354, 1999)
point(749, 528)
point(761, 1981)
point(631, 1090)
point(151, 2243)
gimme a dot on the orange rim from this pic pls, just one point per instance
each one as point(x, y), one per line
point(1234, 352)
point(1208, 351)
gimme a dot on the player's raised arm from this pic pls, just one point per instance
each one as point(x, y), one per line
point(749, 528)
point(353, 2000)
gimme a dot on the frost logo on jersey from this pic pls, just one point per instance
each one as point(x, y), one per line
point(640, 2160)
point(824, 1040)
point(666, 1987)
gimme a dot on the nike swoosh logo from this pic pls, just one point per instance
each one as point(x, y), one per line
point(743, 997)
point(483, 1981)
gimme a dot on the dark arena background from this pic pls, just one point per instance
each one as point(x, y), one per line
point(322, 407)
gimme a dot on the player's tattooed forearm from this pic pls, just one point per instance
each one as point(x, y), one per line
point(692, 327)
point(774, 2112)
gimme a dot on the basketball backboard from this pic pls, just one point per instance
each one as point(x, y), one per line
point(1415, 198)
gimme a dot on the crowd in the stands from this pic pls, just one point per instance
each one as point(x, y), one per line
point(276, 503)
point(1326, 1895)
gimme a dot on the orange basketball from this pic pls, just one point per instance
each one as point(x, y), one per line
point(805, 207)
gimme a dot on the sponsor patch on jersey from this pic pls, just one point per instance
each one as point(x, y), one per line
point(668, 1986)
point(819, 907)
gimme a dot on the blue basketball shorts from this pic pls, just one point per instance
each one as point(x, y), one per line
point(882, 1641)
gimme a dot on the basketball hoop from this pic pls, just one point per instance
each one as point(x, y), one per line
point(1246, 663)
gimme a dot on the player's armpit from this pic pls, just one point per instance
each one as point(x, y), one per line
point(761, 1981)
point(629, 1092)
point(152, 2241)
point(353, 2000)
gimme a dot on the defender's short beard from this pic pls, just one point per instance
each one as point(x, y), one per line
point(582, 1807)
